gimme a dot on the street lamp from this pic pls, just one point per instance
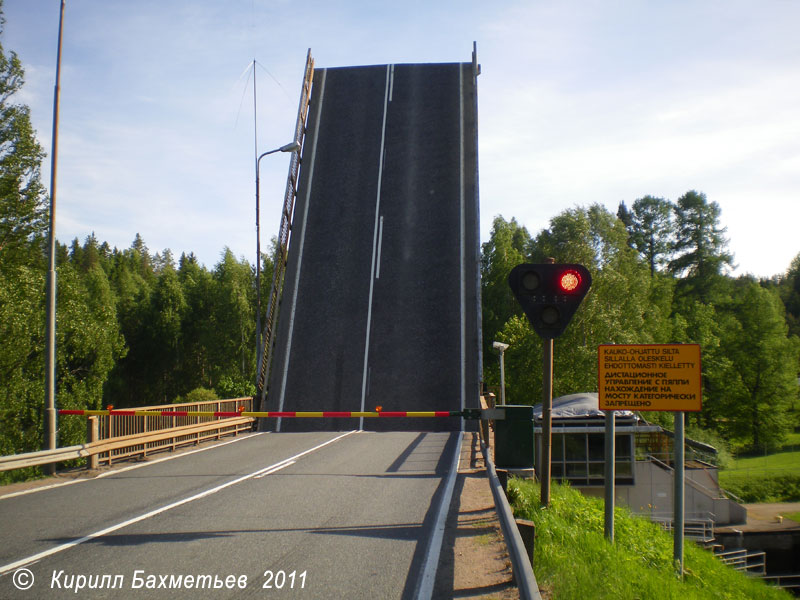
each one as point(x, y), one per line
point(50, 342)
point(291, 147)
point(501, 348)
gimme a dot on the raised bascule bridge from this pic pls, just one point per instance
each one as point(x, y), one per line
point(376, 300)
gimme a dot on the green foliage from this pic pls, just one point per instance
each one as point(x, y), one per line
point(201, 395)
point(625, 305)
point(762, 383)
point(651, 230)
point(724, 458)
point(506, 248)
point(22, 330)
point(572, 558)
point(750, 360)
point(699, 246)
point(789, 289)
point(229, 387)
point(22, 210)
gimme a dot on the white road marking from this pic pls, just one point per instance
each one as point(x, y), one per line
point(380, 245)
point(428, 578)
point(276, 468)
point(261, 472)
point(461, 239)
point(287, 355)
point(381, 153)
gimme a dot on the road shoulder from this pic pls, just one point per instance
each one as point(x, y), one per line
point(474, 562)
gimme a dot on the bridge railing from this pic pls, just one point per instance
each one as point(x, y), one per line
point(115, 437)
point(134, 434)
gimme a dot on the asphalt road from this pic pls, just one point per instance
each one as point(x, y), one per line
point(380, 305)
point(328, 516)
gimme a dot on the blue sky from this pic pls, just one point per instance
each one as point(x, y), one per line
point(579, 102)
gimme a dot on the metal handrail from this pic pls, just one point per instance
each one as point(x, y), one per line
point(783, 581)
point(692, 483)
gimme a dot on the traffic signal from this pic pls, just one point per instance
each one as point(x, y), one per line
point(549, 294)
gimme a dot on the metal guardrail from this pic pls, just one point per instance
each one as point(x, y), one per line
point(520, 563)
point(117, 437)
point(43, 457)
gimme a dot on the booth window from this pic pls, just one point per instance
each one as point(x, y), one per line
point(579, 458)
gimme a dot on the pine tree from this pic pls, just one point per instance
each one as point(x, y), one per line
point(700, 246)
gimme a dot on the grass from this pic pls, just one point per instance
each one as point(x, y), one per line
point(574, 560)
point(783, 462)
point(793, 516)
point(771, 478)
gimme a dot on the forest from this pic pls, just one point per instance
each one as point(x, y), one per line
point(137, 328)
point(659, 275)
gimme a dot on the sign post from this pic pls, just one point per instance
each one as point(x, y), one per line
point(678, 518)
point(663, 377)
point(610, 474)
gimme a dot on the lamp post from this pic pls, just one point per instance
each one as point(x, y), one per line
point(50, 359)
point(501, 348)
point(291, 147)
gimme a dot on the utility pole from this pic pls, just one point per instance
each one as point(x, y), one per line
point(50, 370)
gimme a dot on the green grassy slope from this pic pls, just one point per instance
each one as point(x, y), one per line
point(574, 560)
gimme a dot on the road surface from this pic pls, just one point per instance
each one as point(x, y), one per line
point(381, 304)
point(329, 515)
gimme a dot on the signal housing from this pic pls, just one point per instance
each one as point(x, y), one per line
point(549, 294)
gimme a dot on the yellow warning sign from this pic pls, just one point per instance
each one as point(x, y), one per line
point(649, 377)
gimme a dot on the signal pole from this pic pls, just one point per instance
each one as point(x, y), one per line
point(547, 418)
point(549, 294)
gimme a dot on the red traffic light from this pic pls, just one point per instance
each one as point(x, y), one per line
point(549, 294)
point(570, 281)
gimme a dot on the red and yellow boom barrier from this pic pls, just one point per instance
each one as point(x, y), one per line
point(270, 414)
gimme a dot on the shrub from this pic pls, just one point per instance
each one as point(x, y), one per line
point(201, 394)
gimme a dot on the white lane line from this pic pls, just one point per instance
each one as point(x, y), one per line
point(287, 355)
point(276, 468)
point(381, 153)
point(380, 245)
point(461, 239)
point(391, 82)
point(124, 469)
point(428, 577)
point(261, 472)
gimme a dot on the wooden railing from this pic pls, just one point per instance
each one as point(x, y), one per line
point(116, 437)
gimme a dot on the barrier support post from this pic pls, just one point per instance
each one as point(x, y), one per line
point(93, 434)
